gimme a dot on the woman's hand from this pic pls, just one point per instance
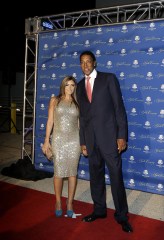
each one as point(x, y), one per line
point(45, 147)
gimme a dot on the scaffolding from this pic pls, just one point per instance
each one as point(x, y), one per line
point(134, 13)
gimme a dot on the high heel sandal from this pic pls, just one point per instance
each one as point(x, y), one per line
point(58, 212)
point(69, 212)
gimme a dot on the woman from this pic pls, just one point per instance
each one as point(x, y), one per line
point(63, 115)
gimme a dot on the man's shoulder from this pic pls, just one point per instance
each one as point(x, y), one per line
point(106, 75)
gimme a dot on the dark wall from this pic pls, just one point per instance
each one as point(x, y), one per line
point(110, 3)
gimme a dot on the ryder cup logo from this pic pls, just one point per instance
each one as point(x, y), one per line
point(43, 87)
point(65, 44)
point(76, 33)
point(98, 53)
point(42, 107)
point(43, 67)
point(123, 52)
point(54, 55)
point(133, 112)
point(99, 30)
point(149, 76)
point(147, 125)
point(132, 135)
point(55, 35)
point(131, 158)
point(137, 39)
point(162, 88)
point(42, 126)
point(134, 88)
point(160, 163)
point(75, 55)
point(161, 113)
point(87, 43)
point(122, 75)
point(160, 187)
point(109, 64)
point(131, 182)
point(145, 173)
point(152, 26)
point(160, 138)
point(162, 64)
point(150, 51)
point(110, 41)
point(53, 76)
point(135, 63)
point(45, 47)
point(74, 75)
point(63, 66)
point(124, 29)
point(148, 100)
point(146, 149)
point(82, 173)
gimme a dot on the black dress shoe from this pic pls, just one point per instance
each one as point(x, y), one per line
point(126, 227)
point(92, 217)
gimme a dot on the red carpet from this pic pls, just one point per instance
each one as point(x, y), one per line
point(27, 214)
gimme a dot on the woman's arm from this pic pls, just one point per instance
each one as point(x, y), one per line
point(49, 124)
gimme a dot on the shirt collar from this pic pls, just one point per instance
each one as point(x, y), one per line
point(93, 74)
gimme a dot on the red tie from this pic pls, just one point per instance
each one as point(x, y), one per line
point(88, 88)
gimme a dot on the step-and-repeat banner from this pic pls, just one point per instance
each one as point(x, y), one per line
point(135, 53)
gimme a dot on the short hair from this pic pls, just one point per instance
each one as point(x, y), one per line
point(88, 53)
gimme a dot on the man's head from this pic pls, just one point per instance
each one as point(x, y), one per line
point(87, 62)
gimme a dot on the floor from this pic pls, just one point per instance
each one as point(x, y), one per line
point(140, 203)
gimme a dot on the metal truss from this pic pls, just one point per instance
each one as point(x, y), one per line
point(104, 16)
point(139, 12)
point(29, 97)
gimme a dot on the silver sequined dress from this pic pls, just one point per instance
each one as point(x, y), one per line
point(65, 140)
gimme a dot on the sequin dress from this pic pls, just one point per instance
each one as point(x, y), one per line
point(65, 140)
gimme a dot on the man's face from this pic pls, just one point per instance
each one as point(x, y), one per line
point(87, 64)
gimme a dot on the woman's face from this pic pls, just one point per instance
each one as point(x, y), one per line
point(69, 87)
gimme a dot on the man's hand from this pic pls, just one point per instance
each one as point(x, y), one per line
point(121, 143)
point(84, 150)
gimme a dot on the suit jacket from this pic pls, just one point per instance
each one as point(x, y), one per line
point(103, 120)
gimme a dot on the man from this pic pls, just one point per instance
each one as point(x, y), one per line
point(103, 134)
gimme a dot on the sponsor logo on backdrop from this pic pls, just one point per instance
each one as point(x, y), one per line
point(55, 36)
point(160, 163)
point(131, 183)
point(43, 67)
point(152, 26)
point(76, 33)
point(147, 125)
point(45, 47)
point(135, 63)
point(137, 39)
point(110, 41)
point(150, 51)
point(160, 187)
point(124, 29)
point(146, 149)
point(98, 53)
point(99, 30)
point(145, 173)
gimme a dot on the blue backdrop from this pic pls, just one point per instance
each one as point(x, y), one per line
point(135, 53)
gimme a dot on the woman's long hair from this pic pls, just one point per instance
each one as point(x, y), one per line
point(62, 90)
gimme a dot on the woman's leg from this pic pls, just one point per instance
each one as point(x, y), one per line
point(72, 182)
point(58, 186)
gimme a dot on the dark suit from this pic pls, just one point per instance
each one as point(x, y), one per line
point(102, 122)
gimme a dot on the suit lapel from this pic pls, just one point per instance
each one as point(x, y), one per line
point(96, 86)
